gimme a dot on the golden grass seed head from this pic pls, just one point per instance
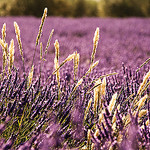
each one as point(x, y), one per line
point(79, 82)
point(144, 82)
point(87, 108)
point(70, 57)
point(17, 30)
point(56, 44)
point(96, 134)
point(96, 36)
point(142, 113)
point(4, 60)
point(95, 43)
point(114, 126)
point(118, 107)
point(89, 135)
point(30, 77)
point(41, 51)
point(147, 122)
point(41, 26)
point(112, 103)
point(114, 117)
point(92, 146)
point(103, 87)
point(4, 32)
point(11, 55)
point(2, 43)
point(49, 40)
point(119, 138)
point(142, 101)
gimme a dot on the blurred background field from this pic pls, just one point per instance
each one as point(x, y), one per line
point(76, 8)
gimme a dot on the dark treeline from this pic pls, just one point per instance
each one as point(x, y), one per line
point(77, 8)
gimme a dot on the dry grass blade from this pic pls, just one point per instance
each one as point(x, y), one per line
point(143, 64)
point(76, 64)
point(76, 86)
point(97, 91)
point(87, 109)
point(69, 58)
point(91, 68)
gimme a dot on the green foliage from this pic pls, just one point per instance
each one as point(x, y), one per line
point(125, 8)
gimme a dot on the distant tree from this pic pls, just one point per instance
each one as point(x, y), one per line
point(80, 8)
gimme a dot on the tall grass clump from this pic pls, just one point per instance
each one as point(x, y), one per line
point(107, 111)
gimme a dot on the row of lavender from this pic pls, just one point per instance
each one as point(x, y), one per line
point(34, 118)
point(75, 107)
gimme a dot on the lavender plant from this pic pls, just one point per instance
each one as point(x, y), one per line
point(74, 106)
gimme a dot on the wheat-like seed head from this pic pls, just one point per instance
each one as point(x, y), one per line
point(96, 134)
point(119, 138)
point(56, 61)
point(103, 87)
point(41, 26)
point(89, 135)
point(112, 103)
point(96, 36)
point(4, 32)
point(17, 30)
point(70, 57)
point(147, 122)
point(114, 117)
point(56, 44)
point(143, 83)
point(87, 109)
point(142, 113)
point(141, 102)
point(11, 55)
point(93, 146)
point(114, 126)
point(4, 46)
point(95, 43)
point(2, 43)
point(76, 64)
point(4, 61)
point(30, 77)
point(128, 119)
point(49, 40)
point(41, 51)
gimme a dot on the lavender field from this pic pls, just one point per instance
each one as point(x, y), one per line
point(121, 40)
point(84, 93)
